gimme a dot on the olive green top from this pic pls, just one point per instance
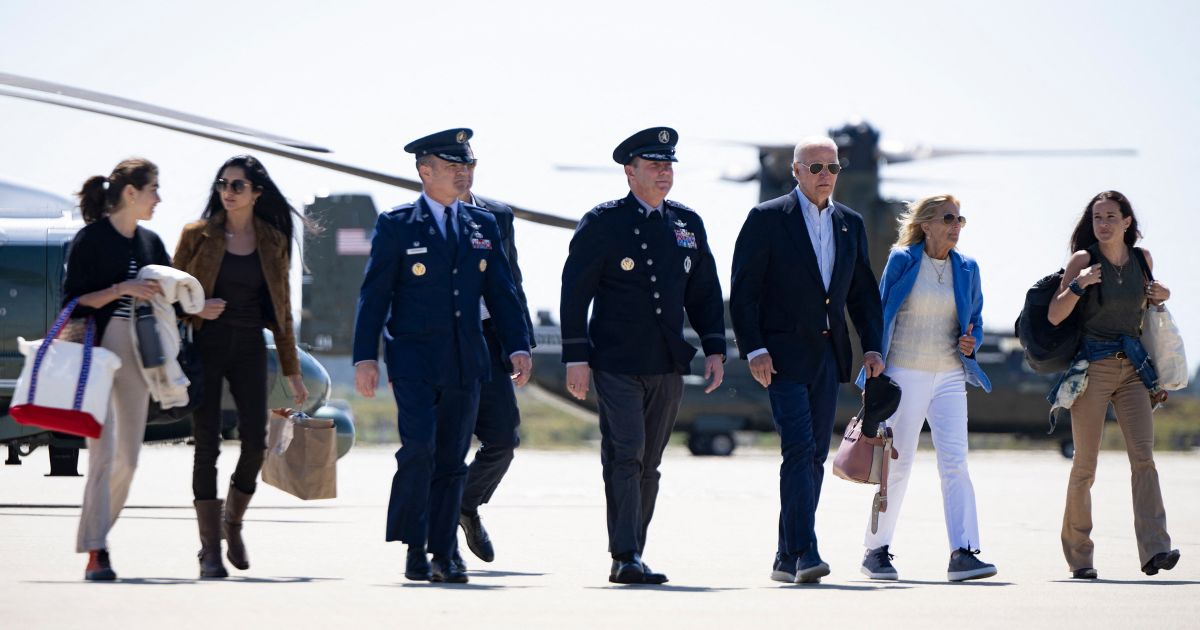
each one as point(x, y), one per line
point(1115, 305)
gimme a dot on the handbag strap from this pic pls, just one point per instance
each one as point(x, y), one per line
point(89, 336)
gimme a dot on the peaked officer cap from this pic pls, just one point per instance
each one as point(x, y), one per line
point(450, 145)
point(656, 144)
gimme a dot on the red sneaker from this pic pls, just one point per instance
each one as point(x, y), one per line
point(98, 566)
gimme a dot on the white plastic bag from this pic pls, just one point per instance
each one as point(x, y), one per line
point(1164, 344)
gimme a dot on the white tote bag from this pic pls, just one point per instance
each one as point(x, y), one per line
point(1164, 344)
point(64, 386)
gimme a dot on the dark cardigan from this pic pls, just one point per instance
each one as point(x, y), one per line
point(99, 258)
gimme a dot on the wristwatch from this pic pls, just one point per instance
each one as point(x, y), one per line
point(1076, 289)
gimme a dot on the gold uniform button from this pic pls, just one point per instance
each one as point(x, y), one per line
point(458, 313)
point(653, 279)
point(644, 246)
point(656, 295)
point(483, 265)
point(658, 311)
point(649, 261)
point(636, 231)
point(826, 300)
point(456, 292)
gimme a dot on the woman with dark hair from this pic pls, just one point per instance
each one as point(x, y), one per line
point(102, 269)
point(240, 251)
point(1104, 280)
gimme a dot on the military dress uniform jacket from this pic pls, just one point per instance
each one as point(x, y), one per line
point(504, 219)
point(779, 302)
point(425, 297)
point(640, 274)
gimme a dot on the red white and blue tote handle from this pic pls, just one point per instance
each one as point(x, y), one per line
point(88, 339)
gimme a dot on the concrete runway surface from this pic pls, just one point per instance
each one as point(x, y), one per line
point(322, 563)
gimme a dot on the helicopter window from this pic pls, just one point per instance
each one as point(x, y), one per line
point(31, 213)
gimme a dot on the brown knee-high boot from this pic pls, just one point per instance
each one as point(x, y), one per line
point(208, 516)
point(235, 508)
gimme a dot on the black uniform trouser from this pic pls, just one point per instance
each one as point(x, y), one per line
point(495, 426)
point(238, 355)
point(637, 413)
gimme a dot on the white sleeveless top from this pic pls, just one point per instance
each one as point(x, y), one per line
point(926, 333)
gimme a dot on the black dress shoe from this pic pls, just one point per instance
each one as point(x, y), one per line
point(477, 537)
point(416, 566)
point(457, 559)
point(443, 569)
point(1086, 573)
point(1165, 561)
point(650, 577)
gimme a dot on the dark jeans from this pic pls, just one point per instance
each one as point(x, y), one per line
point(495, 426)
point(435, 434)
point(239, 356)
point(804, 414)
point(637, 413)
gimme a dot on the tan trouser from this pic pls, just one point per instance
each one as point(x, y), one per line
point(1113, 379)
point(113, 457)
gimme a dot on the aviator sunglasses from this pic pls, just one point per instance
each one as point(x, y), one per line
point(949, 218)
point(238, 186)
point(834, 168)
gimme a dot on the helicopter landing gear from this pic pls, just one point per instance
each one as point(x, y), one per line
point(64, 461)
point(14, 455)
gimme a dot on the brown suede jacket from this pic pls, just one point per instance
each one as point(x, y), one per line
point(200, 251)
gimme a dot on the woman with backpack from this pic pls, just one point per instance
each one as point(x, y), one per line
point(1106, 280)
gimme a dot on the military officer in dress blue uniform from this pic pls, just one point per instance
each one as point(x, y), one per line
point(431, 262)
point(801, 261)
point(641, 262)
point(498, 418)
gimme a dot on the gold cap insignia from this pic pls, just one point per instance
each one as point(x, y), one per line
point(418, 269)
point(664, 136)
point(461, 137)
point(627, 264)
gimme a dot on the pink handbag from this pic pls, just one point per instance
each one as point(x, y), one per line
point(863, 459)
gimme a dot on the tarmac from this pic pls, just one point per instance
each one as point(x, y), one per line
point(321, 563)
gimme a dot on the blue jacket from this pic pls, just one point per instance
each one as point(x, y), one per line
point(900, 275)
point(419, 298)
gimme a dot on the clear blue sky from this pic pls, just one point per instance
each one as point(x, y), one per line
point(553, 82)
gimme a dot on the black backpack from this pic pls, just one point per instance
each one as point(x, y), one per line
point(1048, 348)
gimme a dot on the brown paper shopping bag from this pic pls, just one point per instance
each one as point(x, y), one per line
point(301, 455)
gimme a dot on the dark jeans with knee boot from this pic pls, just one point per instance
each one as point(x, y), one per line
point(237, 355)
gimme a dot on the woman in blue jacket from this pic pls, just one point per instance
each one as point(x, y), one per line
point(931, 328)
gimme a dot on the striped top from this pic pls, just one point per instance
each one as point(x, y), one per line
point(125, 304)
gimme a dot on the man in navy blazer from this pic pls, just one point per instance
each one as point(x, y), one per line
point(431, 262)
point(498, 417)
point(801, 261)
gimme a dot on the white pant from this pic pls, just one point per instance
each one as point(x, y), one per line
point(940, 397)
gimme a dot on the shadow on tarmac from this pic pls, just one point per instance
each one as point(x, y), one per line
point(168, 581)
point(133, 517)
point(469, 586)
point(1145, 582)
point(491, 574)
point(665, 588)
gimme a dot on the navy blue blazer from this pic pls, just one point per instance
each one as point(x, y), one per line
point(779, 302)
point(640, 274)
point(413, 286)
point(504, 219)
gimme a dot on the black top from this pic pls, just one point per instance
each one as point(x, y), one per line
point(99, 258)
point(125, 304)
point(240, 282)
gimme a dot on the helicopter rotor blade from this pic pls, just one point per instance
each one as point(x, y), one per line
point(914, 153)
point(58, 89)
point(369, 174)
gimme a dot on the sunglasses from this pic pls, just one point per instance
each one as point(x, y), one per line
point(238, 186)
point(949, 218)
point(834, 168)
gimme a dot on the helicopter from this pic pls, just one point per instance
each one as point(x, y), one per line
point(1015, 406)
